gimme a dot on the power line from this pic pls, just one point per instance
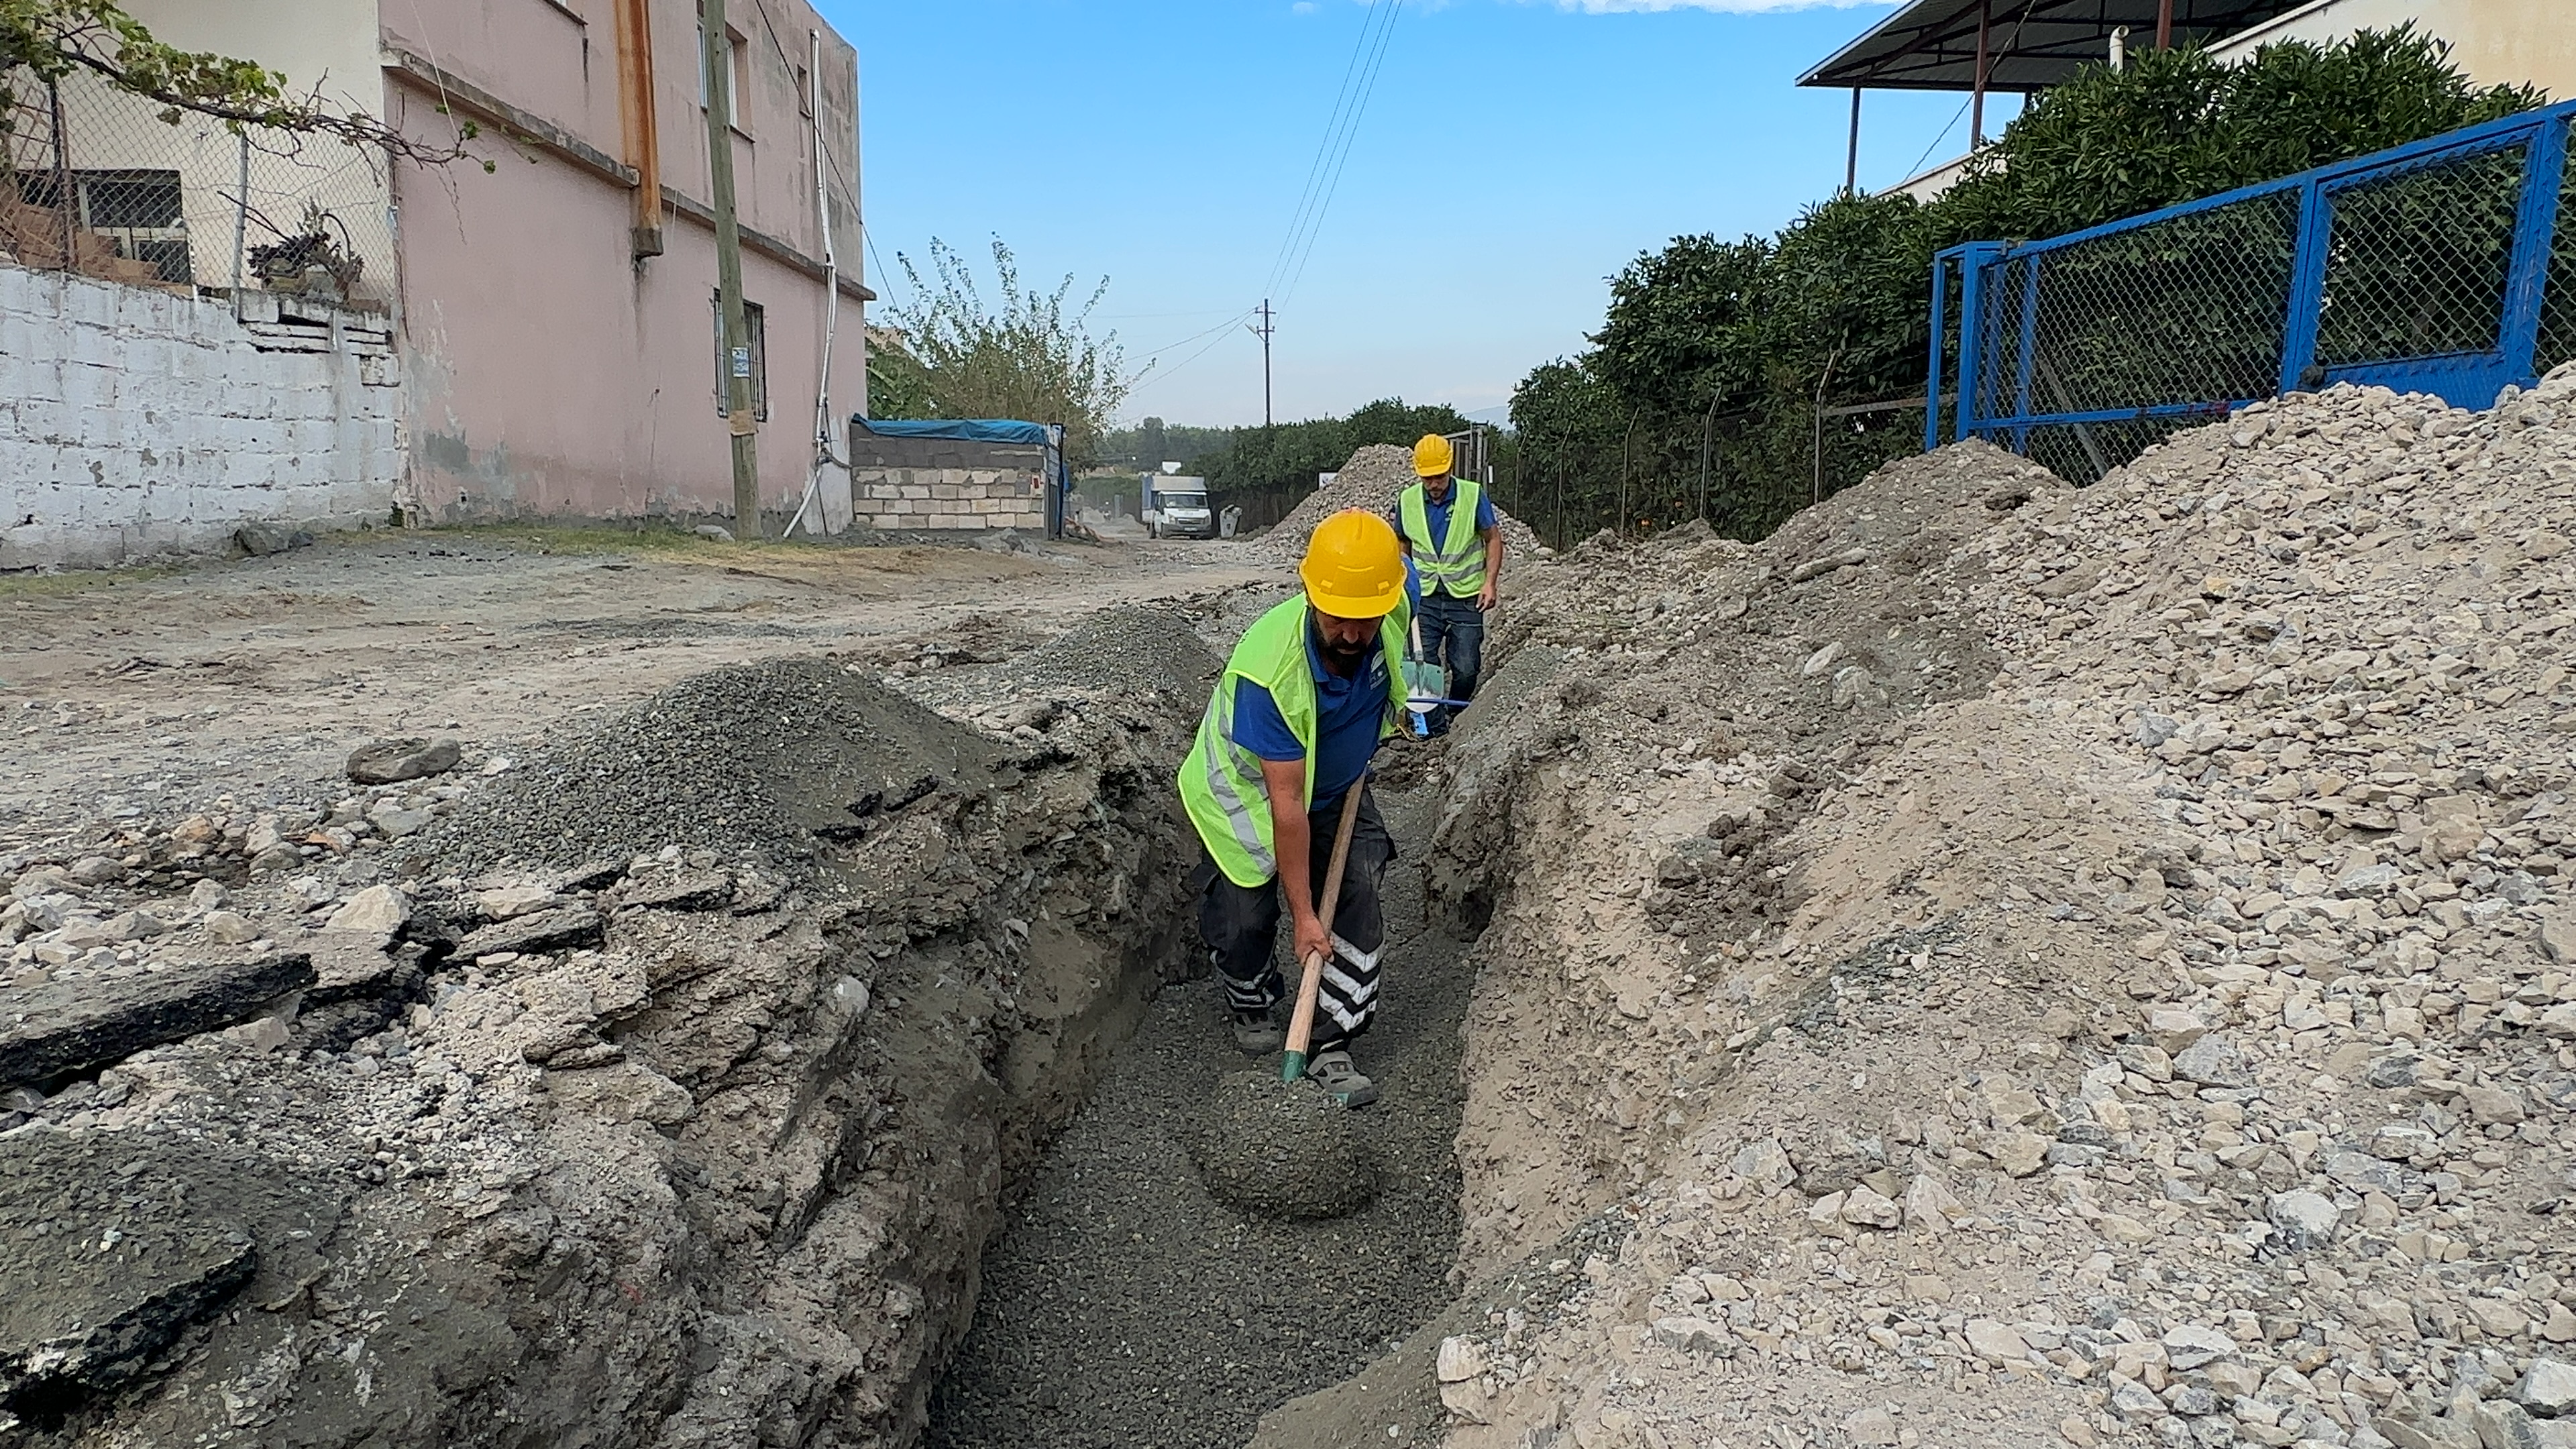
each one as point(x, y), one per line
point(1341, 147)
point(1323, 152)
point(1195, 336)
point(1350, 136)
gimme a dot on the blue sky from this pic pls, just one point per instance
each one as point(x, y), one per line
point(1513, 155)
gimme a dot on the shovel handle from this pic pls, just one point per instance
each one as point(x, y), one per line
point(1301, 1025)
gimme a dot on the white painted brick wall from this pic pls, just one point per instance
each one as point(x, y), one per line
point(134, 423)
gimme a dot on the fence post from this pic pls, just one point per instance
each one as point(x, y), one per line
point(63, 198)
point(241, 215)
point(1972, 264)
point(2534, 227)
point(1932, 373)
point(2307, 285)
point(2029, 348)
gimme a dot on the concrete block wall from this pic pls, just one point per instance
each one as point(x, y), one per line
point(953, 498)
point(136, 422)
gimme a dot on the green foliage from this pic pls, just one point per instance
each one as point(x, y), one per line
point(898, 385)
point(1699, 396)
point(1153, 442)
point(1287, 456)
point(51, 39)
point(2178, 125)
point(1032, 358)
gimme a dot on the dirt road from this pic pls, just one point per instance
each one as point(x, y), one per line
point(145, 691)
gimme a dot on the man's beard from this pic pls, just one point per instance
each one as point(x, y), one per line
point(1347, 654)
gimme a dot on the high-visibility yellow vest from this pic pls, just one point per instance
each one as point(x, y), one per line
point(1220, 781)
point(1454, 565)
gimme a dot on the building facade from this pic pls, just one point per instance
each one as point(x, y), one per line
point(551, 296)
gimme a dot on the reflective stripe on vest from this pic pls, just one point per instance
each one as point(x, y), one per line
point(1220, 781)
point(1456, 564)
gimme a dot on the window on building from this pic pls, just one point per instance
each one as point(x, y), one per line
point(757, 335)
point(139, 212)
point(737, 58)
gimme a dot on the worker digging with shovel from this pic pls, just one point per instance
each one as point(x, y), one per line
point(1281, 762)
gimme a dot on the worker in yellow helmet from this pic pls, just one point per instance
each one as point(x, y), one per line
point(1314, 687)
point(1456, 544)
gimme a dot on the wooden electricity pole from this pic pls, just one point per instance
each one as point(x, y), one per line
point(739, 422)
point(1263, 332)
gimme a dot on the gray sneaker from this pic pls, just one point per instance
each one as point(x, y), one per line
point(1334, 1072)
point(1257, 1033)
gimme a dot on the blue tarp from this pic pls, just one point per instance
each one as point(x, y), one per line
point(973, 430)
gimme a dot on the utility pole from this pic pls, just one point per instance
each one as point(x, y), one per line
point(716, 58)
point(1851, 158)
point(1263, 332)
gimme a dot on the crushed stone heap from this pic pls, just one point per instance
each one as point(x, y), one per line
point(1371, 480)
point(2020, 964)
point(766, 759)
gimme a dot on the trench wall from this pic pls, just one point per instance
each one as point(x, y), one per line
point(137, 422)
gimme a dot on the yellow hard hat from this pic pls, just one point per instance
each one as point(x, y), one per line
point(1353, 569)
point(1431, 456)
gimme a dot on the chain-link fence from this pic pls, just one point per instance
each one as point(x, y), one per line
point(97, 181)
point(2446, 267)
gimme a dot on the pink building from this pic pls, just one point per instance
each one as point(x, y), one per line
point(555, 315)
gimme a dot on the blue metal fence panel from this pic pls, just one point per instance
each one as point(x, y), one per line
point(2447, 267)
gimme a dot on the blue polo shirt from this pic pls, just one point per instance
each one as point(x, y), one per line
point(1348, 716)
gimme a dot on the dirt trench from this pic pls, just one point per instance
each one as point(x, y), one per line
point(1122, 1308)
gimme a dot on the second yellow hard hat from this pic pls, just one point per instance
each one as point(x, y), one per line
point(1431, 456)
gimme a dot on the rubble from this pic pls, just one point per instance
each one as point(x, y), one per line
point(55, 1028)
point(1371, 480)
point(2184, 899)
point(607, 1093)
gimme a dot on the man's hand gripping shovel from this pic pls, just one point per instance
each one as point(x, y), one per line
point(1301, 1026)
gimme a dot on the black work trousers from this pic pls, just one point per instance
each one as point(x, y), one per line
point(1240, 925)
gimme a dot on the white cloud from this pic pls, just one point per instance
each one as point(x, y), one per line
point(1302, 7)
point(1738, 7)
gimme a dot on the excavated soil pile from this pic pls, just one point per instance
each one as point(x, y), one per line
point(2041, 965)
point(1281, 1151)
point(675, 1148)
point(1370, 480)
point(767, 760)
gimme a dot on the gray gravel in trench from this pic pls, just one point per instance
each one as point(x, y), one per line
point(1123, 1309)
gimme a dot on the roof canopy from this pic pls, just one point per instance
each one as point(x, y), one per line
point(1931, 45)
point(973, 430)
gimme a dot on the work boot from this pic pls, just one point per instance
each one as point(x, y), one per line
point(1334, 1071)
point(1257, 1033)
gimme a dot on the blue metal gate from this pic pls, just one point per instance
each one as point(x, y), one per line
point(2447, 267)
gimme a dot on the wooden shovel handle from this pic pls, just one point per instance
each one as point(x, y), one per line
point(1301, 1026)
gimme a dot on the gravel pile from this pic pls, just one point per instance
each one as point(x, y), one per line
point(1127, 649)
point(2164, 1030)
point(1282, 1151)
point(1371, 480)
point(749, 760)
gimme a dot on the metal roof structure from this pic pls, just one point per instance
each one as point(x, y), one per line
point(1931, 45)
